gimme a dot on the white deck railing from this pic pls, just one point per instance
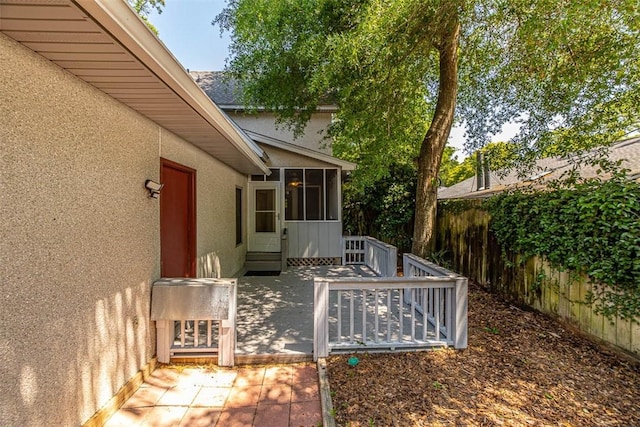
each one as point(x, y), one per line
point(378, 256)
point(425, 308)
point(212, 335)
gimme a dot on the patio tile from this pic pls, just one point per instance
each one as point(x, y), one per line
point(278, 374)
point(200, 417)
point(164, 416)
point(145, 396)
point(275, 393)
point(201, 377)
point(179, 396)
point(305, 373)
point(250, 376)
point(247, 396)
point(272, 415)
point(127, 417)
point(163, 377)
point(305, 392)
point(237, 417)
point(213, 397)
point(305, 414)
point(221, 378)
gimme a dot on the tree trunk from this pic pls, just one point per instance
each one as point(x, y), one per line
point(434, 143)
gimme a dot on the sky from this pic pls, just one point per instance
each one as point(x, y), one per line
point(184, 26)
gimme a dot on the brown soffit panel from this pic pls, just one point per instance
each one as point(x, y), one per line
point(88, 38)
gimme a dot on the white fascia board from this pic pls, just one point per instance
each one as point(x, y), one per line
point(235, 107)
point(126, 26)
point(273, 142)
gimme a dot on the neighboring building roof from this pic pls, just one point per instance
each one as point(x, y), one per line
point(105, 43)
point(546, 169)
point(227, 92)
point(273, 142)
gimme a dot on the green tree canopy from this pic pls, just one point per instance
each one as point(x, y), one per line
point(402, 71)
point(453, 171)
point(144, 7)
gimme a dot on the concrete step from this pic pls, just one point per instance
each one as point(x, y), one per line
point(263, 265)
point(264, 256)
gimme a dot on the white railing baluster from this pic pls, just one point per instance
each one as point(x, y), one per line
point(352, 318)
point(339, 316)
point(401, 316)
point(364, 315)
point(376, 315)
point(389, 315)
point(182, 332)
point(413, 314)
point(436, 314)
point(196, 331)
point(425, 322)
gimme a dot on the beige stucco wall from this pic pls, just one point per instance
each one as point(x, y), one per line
point(314, 136)
point(80, 243)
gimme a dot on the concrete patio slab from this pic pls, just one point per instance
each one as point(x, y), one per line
point(275, 313)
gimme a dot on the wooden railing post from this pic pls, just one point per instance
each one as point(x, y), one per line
point(227, 342)
point(164, 332)
point(344, 250)
point(320, 318)
point(460, 313)
point(392, 263)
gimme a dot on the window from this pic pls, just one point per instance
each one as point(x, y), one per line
point(311, 194)
point(314, 194)
point(333, 205)
point(238, 216)
point(294, 195)
point(275, 176)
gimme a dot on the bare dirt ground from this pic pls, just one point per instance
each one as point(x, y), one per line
point(521, 369)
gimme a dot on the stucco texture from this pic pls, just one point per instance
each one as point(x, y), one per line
point(80, 243)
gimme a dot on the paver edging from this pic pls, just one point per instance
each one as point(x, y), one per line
point(325, 395)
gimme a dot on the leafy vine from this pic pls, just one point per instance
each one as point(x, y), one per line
point(589, 226)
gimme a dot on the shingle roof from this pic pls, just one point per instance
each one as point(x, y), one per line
point(546, 169)
point(223, 90)
point(227, 92)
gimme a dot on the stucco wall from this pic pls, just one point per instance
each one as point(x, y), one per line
point(80, 243)
point(264, 124)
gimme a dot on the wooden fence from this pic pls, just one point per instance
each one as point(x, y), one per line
point(466, 240)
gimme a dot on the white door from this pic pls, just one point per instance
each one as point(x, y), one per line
point(264, 217)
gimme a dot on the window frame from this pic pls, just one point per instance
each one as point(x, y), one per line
point(239, 216)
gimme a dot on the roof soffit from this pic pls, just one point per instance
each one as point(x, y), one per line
point(104, 43)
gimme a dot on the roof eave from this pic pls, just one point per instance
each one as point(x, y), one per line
point(123, 24)
point(343, 164)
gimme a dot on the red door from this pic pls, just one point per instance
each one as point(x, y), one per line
point(177, 220)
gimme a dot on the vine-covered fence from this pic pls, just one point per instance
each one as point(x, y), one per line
point(466, 241)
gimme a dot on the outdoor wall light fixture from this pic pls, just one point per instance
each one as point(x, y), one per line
point(154, 188)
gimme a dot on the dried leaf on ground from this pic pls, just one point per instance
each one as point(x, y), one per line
point(521, 369)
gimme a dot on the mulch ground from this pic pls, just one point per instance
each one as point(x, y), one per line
point(521, 369)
